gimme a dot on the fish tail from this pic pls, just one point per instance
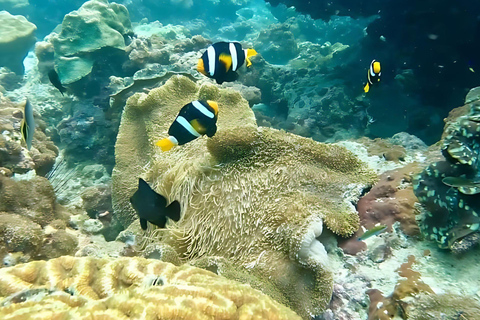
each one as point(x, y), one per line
point(173, 210)
point(250, 53)
point(367, 87)
point(166, 144)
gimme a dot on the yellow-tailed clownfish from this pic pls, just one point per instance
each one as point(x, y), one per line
point(373, 75)
point(194, 120)
point(221, 60)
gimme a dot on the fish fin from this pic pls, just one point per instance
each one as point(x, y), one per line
point(250, 53)
point(201, 67)
point(198, 127)
point(165, 144)
point(173, 210)
point(226, 59)
point(211, 132)
point(143, 224)
point(366, 88)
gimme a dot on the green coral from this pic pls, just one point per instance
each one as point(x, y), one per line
point(96, 26)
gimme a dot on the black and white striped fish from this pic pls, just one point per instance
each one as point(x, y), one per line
point(373, 75)
point(194, 120)
point(221, 60)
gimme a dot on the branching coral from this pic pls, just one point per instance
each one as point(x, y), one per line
point(256, 196)
point(128, 288)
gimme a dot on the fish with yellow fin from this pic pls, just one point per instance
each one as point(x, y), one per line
point(195, 119)
point(222, 59)
point(27, 127)
point(373, 75)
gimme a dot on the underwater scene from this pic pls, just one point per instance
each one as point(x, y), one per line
point(240, 159)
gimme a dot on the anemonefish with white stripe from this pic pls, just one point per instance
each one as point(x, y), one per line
point(195, 119)
point(373, 75)
point(221, 60)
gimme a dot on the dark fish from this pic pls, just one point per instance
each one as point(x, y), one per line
point(373, 232)
point(221, 60)
point(194, 120)
point(373, 75)
point(152, 207)
point(55, 80)
point(27, 127)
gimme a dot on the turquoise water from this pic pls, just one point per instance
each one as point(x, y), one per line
point(78, 63)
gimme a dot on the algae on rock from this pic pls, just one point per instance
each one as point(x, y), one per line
point(255, 196)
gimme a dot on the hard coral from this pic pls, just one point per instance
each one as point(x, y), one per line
point(17, 35)
point(390, 200)
point(71, 288)
point(256, 196)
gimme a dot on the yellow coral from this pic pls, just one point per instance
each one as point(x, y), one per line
point(128, 288)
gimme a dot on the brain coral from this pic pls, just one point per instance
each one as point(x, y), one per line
point(128, 288)
point(256, 196)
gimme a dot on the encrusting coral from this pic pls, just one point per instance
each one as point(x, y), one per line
point(128, 288)
point(256, 196)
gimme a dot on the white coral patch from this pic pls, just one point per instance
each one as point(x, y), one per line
point(310, 247)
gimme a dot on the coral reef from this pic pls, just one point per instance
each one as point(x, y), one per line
point(125, 288)
point(17, 36)
point(386, 308)
point(91, 42)
point(443, 306)
point(15, 157)
point(390, 200)
point(34, 225)
point(452, 211)
point(268, 192)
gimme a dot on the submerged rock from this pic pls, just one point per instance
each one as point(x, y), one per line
point(17, 36)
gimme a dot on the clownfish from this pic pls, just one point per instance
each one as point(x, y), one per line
point(194, 120)
point(221, 60)
point(373, 75)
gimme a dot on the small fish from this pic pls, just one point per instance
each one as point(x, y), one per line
point(221, 60)
point(194, 120)
point(373, 232)
point(152, 207)
point(55, 80)
point(373, 75)
point(458, 182)
point(27, 127)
